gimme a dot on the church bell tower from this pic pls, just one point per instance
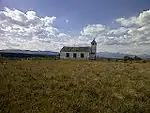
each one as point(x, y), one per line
point(93, 49)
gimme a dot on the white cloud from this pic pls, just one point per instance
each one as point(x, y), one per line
point(66, 21)
point(143, 19)
point(133, 32)
point(28, 31)
point(21, 30)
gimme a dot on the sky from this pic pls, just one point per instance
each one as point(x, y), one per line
point(117, 25)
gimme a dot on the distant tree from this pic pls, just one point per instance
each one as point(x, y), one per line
point(126, 58)
point(137, 58)
point(116, 60)
point(131, 58)
point(144, 61)
point(108, 59)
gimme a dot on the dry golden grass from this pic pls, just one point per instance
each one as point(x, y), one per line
point(54, 86)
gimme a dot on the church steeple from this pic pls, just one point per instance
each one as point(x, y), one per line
point(93, 42)
point(93, 46)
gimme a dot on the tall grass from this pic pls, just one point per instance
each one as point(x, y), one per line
point(54, 86)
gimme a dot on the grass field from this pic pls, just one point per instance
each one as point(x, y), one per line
point(63, 86)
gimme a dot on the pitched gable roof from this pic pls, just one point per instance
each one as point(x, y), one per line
point(76, 49)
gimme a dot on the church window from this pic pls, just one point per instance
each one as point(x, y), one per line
point(74, 55)
point(67, 55)
point(82, 55)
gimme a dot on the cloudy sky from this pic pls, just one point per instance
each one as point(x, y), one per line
point(117, 25)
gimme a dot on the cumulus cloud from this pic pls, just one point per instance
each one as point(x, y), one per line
point(26, 30)
point(20, 30)
point(133, 32)
point(141, 20)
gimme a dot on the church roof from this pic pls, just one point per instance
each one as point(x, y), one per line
point(76, 49)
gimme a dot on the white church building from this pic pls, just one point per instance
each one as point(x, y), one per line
point(79, 53)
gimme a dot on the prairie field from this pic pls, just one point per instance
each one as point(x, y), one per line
point(65, 86)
